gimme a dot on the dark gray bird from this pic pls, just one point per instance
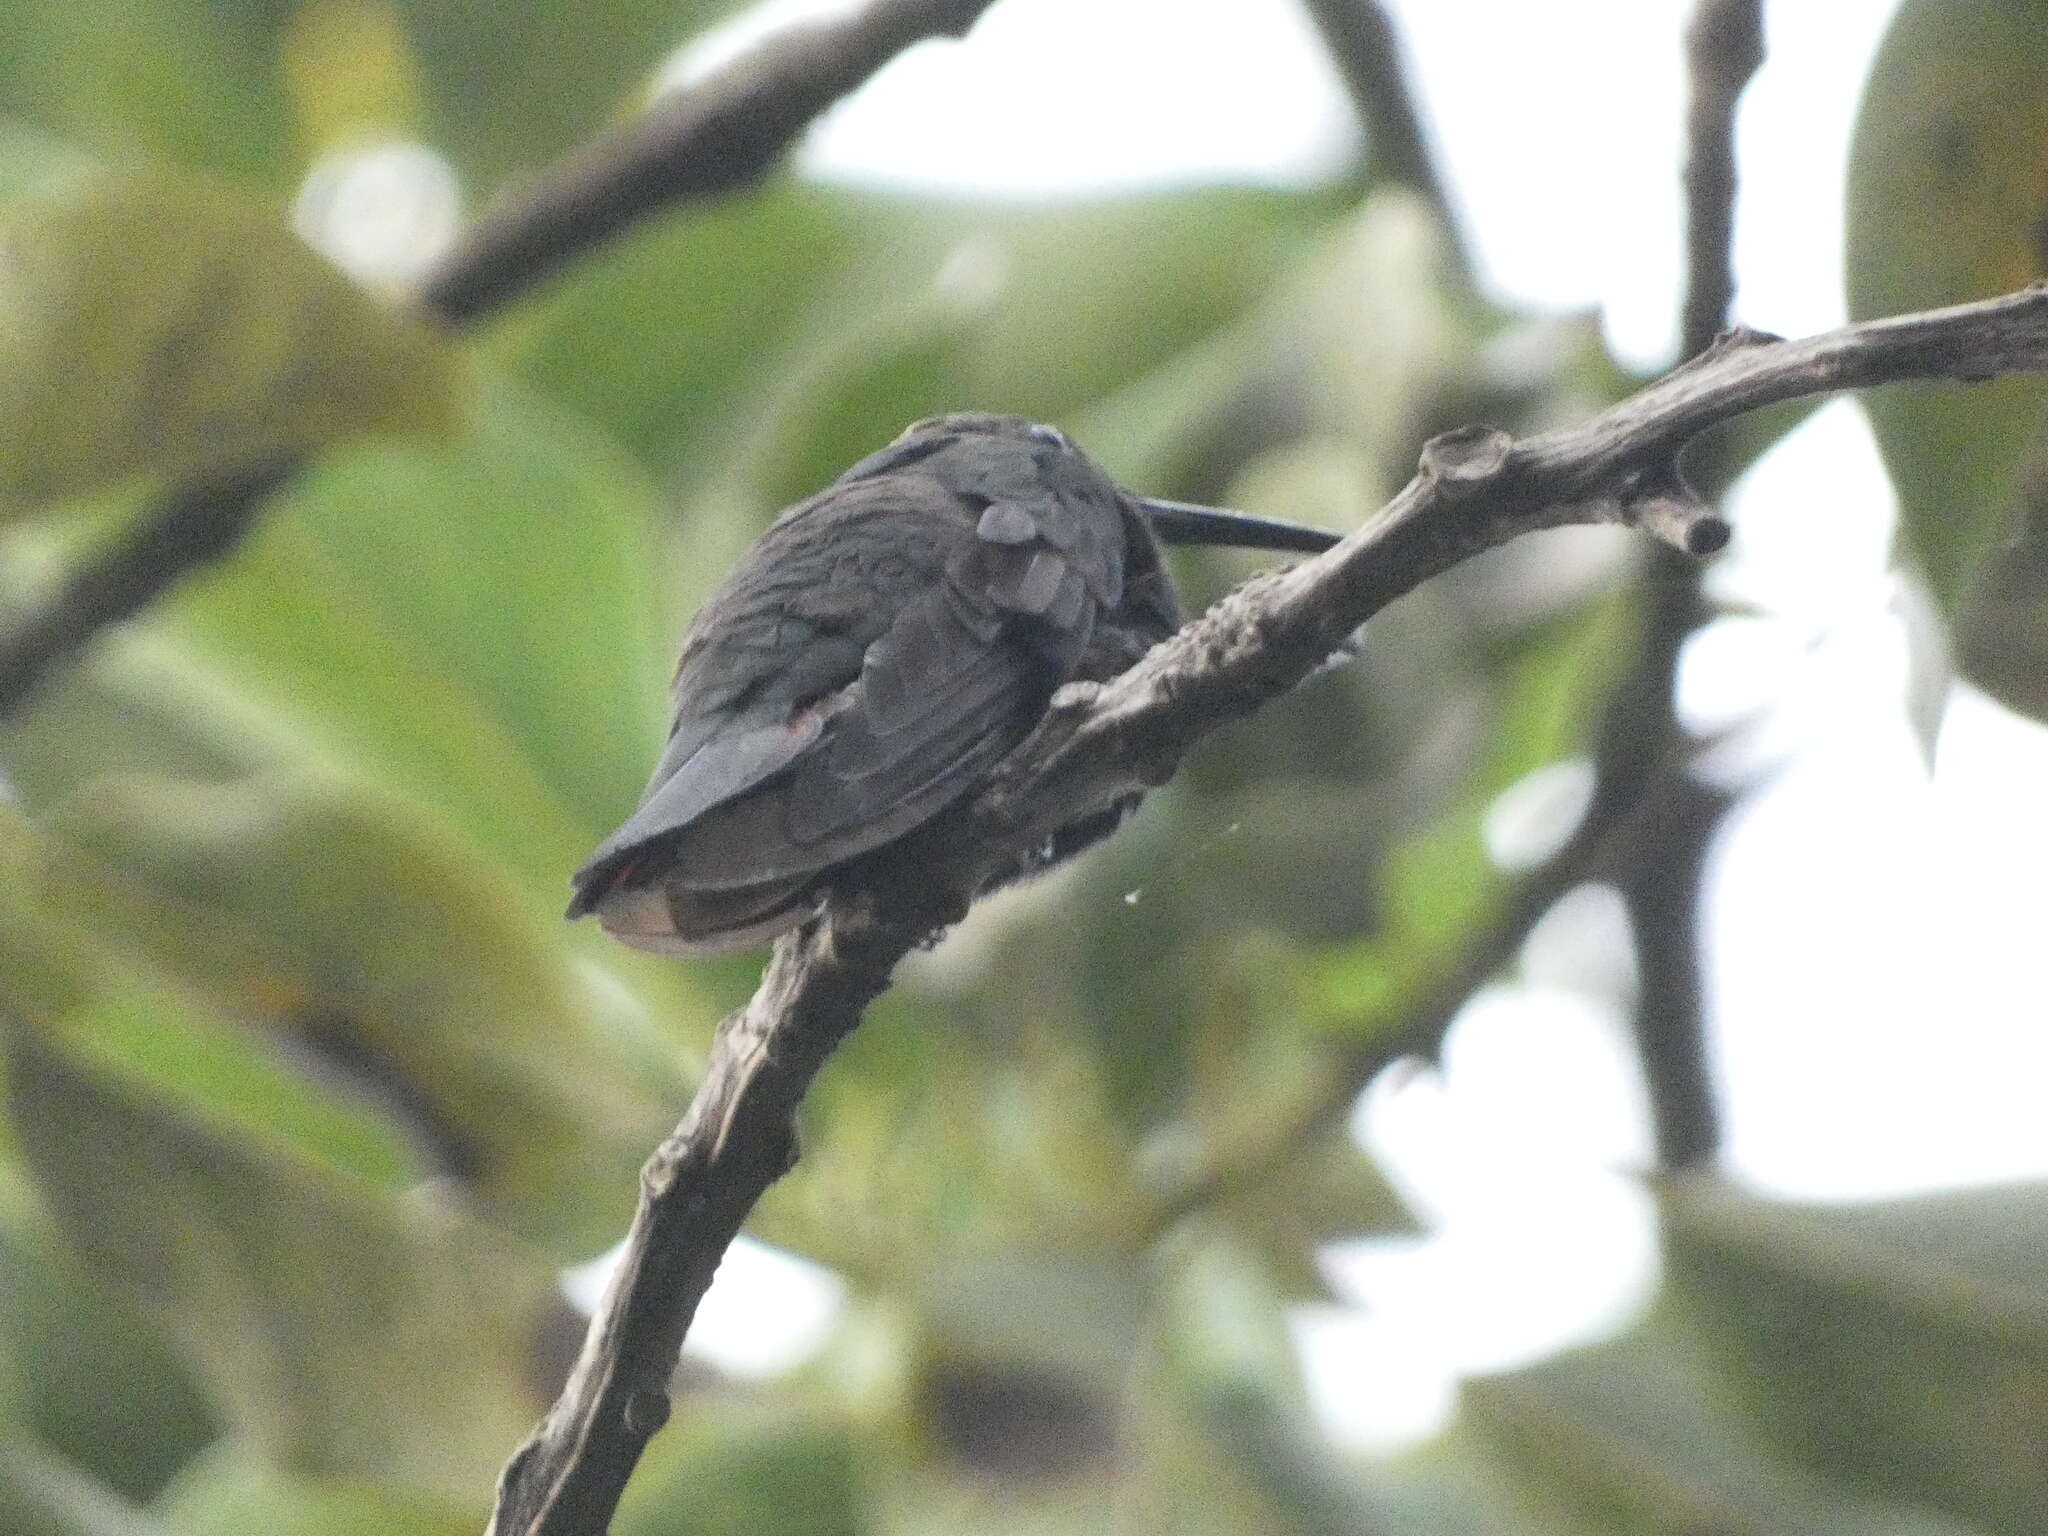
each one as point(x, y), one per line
point(873, 655)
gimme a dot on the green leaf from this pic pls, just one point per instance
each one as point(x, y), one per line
point(85, 1360)
point(1326, 1191)
point(1221, 1414)
point(2001, 639)
point(523, 562)
point(1899, 1347)
point(1441, 883)
point(349, 925)
point(1637, 1437)
point(157, 325)
point(108, 715)
point(1948, 192)
point(792, 273)
point(511, 86)
point(1388, 326)
point(190, 81)
point(351, 72)
point(859, 395)
point(35, 162)
point(62, 961)
point(724, 1467)
point(675, 369)
point(237, 1075)
point(345, 1332)
point(923, 1150)
point(42, 1494)
point(44, 972)
point(1455, 1486)
point(234, 1493)
point(1066, 326)
point(1075, 1316)
point(505, 587)
point(1364, 341)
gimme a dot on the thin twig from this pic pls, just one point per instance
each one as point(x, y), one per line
point(1724, 48)
point(1366, 48)
point(1477, 489)
point(1650, 821)
point(1415, 1024)
point(190, 528)
point(718, 135)
point(1662, 880)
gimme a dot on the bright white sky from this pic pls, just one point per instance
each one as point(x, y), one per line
point(1874, 932)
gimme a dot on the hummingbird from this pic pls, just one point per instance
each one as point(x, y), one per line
point(873, 655)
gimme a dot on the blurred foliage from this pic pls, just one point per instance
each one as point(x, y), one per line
point(309, 1094)
point(163, 326)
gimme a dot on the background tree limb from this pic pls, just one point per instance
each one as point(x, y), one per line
point(1366, 48)
point(1477, 488)
point(1650, 821)
point(714, 137)
point(1661, 878)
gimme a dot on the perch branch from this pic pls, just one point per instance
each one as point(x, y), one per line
point(719, 134)
point(1477, 489)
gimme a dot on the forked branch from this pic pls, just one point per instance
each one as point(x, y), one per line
point(1477, 489)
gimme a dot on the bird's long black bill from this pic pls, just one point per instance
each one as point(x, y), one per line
point(1179, 522)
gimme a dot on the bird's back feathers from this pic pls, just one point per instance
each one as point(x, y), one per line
point(878, 650)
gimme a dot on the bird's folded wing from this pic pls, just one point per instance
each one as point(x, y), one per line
point(954, 682)
point(935, 706)
point(936, 703)
point(696, 775)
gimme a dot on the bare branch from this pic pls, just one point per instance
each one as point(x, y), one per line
point(1662, 891)
point(1366, 49)
point(718, 135)
point(1724, 49)
point(191, 528)
point(1661, 879)
point(1478, 489)
point(1263, 638)
point(1415, 1024)
point(737, 1138)
point(712, 138)
point(1647, 807)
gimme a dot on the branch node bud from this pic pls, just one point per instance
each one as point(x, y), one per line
point(1465, 458)
point(646, 1412)
point(1664, 506)
point(1740, 338)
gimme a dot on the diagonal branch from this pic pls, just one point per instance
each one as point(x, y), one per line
point(1366, 48)
point(1415, 1023)
point(716, 136)
point(1651, 819)
point(1477, 489)
point(719, 135)
point(191, 527)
